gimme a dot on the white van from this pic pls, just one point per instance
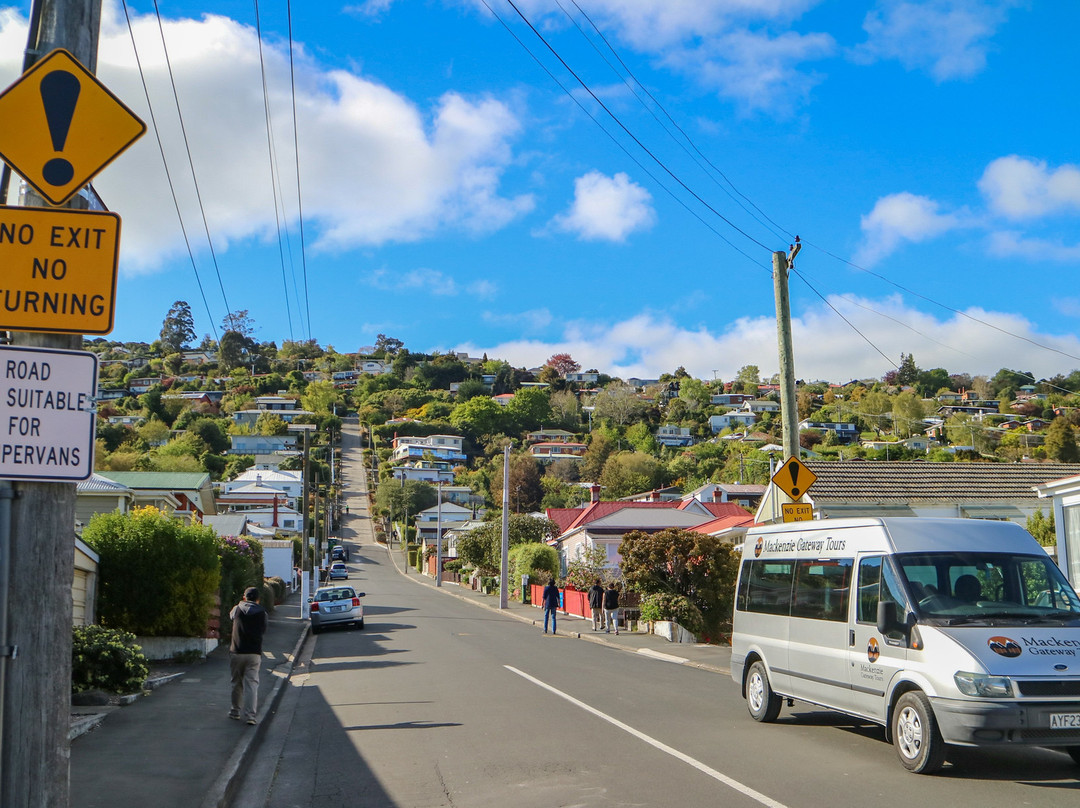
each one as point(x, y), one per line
point(944, 631)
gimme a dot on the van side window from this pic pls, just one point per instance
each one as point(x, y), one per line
point(875, 586)
point(769, 588)
point(821, 589)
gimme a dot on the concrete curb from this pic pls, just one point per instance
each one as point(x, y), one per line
point(525, 619)
point(223, 790)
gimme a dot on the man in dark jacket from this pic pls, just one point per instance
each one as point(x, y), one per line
point(596, 603)
point(249, 625)
point(611, 608)
point(550, 602)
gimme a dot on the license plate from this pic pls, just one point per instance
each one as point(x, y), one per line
point(337, 608)
point(1065, 721)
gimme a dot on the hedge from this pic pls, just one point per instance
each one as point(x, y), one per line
point(157, 576)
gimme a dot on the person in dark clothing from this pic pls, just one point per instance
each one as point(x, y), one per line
point(550, 602)
point(249, 625)
point(611, 608)
point(596, 604)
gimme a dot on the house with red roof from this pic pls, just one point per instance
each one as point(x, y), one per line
point(603, 524)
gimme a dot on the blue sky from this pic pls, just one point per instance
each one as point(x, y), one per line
point(455, 197)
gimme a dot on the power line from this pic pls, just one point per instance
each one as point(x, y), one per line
point(627, 131)
point(779, 232)
point(296, 152)
point(270, 155)
point(191, 162)
point(614, 140)
point(168, 175)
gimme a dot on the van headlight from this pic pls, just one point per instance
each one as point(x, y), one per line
point(983, 685)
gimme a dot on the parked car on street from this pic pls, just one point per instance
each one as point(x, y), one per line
point(338, 571)
point(334, 605)
point(339, 553)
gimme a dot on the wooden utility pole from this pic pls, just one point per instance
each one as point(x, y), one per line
point(37, 692)
point(789, 408)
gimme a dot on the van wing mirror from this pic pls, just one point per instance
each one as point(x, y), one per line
point(886, 617)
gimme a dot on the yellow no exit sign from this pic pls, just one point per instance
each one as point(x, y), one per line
point(59, 270)
point(59, 126)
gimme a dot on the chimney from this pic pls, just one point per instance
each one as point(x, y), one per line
point(258, 479)
point(594, 491)
point(717, 495)
point(654, 496)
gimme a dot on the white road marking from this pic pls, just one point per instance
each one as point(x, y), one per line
point(678, 660)
point(757, 796)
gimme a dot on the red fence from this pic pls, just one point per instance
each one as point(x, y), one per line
point(570, 600)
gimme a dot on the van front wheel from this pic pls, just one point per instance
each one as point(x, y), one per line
point(764, 705)
point(916, 735)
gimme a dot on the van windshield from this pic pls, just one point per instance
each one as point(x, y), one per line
point(989, 588)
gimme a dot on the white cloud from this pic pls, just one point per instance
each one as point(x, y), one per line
point(899, 218)
point(1010, 244)
point(607, 208)
point(948, 38)
point(737, 48)
point(826, 348)
point(1022, 188)
point(756, 70)
point(375, 167)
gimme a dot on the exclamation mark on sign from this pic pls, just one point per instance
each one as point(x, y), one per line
point(59, 93)
point(793, 470)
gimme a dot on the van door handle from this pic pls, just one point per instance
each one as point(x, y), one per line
point(851, 637)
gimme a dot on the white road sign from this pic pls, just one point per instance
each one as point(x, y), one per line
point(47, 414)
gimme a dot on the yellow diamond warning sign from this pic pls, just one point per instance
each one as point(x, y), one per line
point(793, 478)
point(59, 126)
point(59, 269)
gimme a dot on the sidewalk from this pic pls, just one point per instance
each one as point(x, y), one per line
point(713, 658)
point(176, 747)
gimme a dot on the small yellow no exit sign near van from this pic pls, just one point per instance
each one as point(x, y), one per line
point(793, 478)
point(797, 511)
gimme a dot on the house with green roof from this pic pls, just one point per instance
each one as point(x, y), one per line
point(192, 490)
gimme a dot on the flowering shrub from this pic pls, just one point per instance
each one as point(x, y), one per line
point(106, 659)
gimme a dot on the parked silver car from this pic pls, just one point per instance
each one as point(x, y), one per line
point(333, 605)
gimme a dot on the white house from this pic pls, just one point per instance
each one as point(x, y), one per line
point(439, 447)
point(733, 419)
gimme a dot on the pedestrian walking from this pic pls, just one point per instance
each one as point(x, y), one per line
point(249, 625)
point(550, 602)
point(596, 603)
point(346, 509)
point(611, 608)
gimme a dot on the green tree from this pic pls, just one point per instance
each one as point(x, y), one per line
point(747, 379)
point(320, 396)
point(1061, 442)
point(627, 473)
point(619, 403)
point(234, 349)
point(481, 547)
point(178, 328)
point(270, 423)
point(582, 572)
point(1042, 528)
point(479, 417)
point(529, 409)
point(240, 322)
point(699, 567)
point(695, 393)
point(908, 372)
point(537, 560)
point(908, 414)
